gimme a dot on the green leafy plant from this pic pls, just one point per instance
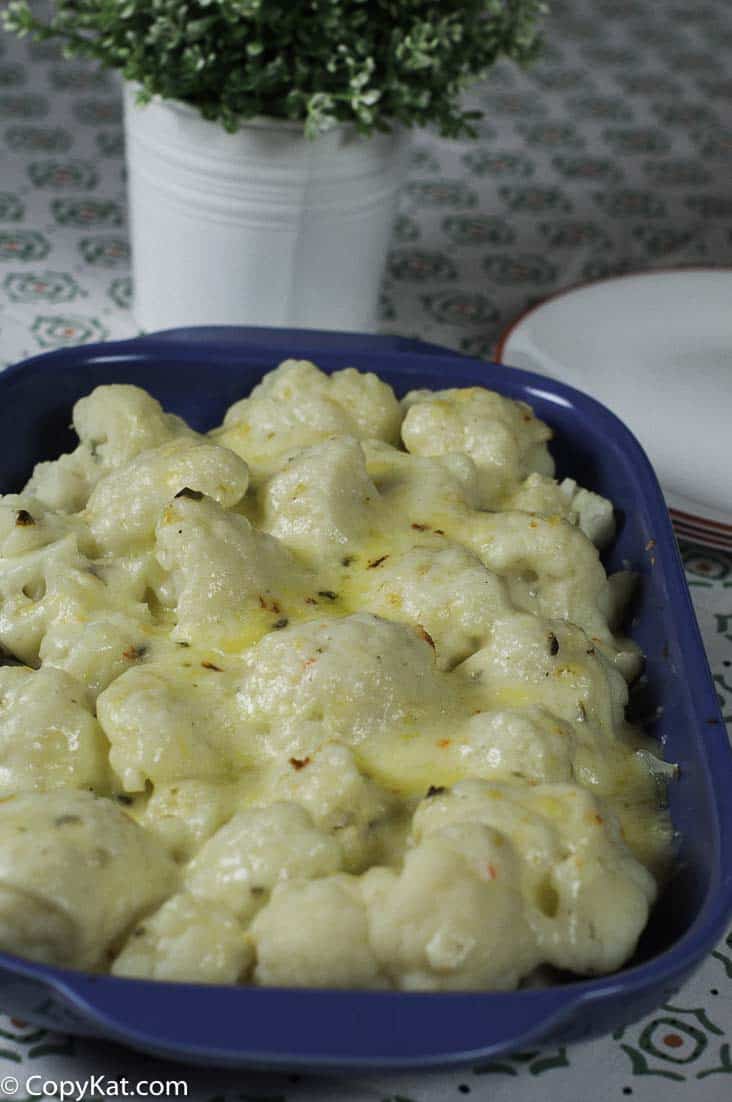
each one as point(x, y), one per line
point(372, 63)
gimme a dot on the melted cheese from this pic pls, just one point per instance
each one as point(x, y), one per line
point(288, 687)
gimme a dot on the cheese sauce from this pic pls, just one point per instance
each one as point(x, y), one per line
point(344, 672)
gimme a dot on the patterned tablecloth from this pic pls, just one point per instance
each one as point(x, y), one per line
point(612, 154)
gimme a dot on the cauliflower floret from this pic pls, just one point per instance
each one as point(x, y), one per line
point(38, 587)
point(132, 580)
point(125, 505)
point(315, 934)
point(344, 803)
point(551, 663)
point(370, 402)
point(502, 437)
point(446, 590)
point(453, 918)
point(595, 902)
point(347, 678)
point(187, 939)
point(97, 650)
point(624, 653)
point(297, 405)
point(184, 814)
point(592, 513)
point(538, 494)
point(118, 421)
point(587, 898)
point(222, 570)
point(48, 737)
point(27, 525)
point(502, 806)
point(529, 743)
point(551, 567)
point(158, 733)
point(64, 484)
point(113, 423)
point(75, 873)
point(255, 850)
point(416, 487)
point(323, 502)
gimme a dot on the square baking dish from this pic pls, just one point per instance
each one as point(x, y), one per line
point(198, 373)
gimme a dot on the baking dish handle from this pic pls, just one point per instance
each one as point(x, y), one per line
point(320, 1029)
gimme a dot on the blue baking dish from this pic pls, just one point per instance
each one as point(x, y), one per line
point(198, 373)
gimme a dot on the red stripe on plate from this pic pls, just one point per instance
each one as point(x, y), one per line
point(704, 539)
point(701, 522)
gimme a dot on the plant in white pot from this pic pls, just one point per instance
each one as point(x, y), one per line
point(266, 138)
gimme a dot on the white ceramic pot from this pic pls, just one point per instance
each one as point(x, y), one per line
point(261, 227)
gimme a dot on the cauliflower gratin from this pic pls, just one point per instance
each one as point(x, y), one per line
point(330, 696)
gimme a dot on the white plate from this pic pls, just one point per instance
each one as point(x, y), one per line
point(656, 348)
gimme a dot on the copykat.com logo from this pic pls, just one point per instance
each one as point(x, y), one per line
point(95, 1086)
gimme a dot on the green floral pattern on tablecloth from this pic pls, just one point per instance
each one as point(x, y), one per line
point(613, 154)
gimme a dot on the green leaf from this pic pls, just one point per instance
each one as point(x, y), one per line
point(371, 63)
